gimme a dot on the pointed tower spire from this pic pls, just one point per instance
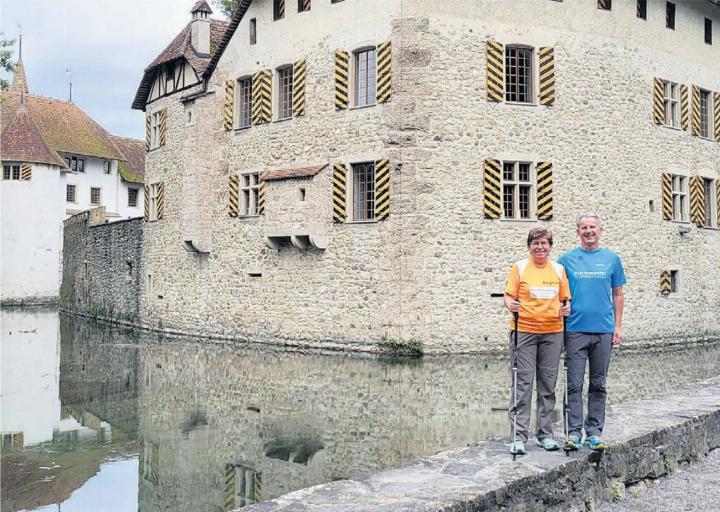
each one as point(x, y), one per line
point(19, 81)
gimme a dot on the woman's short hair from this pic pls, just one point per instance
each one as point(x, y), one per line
point(536, 233)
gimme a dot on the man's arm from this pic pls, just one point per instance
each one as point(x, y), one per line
point(618, 303)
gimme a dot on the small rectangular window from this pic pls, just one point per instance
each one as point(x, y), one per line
point(106, 167)
point(605, 5)
point(155, 129)
point(679, 198)
point(517, 190)
point(154, 190)
point(81, 165)
point(132, 197)
point(365, 77)
point(705, 114)
point(670, 15)
point(70, 194)
point(710, 203)
point(249, 188)
point(285, 90)
point(671, 103)
point(6, 172)
point(303, 5)
point(16, 172)
point(674, 281)
point(518, 74)
point(364, 191)
point(708, 31)
point(11, 172)
point(244, 102)
point(642, 9)
point(278, 9)
point(95, 196)
point(73, 163)
point(253, 31)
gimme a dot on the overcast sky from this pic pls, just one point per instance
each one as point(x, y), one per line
point(106, 43)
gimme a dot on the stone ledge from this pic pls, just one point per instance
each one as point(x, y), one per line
point(646, 439)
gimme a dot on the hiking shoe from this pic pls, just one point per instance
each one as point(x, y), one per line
point(548, 443)
point(595, 443)
point(517, 448)
point(572, 443)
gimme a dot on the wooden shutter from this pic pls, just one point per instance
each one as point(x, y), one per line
point(667, 201)
point(495, 70)
point(695, 111)
point(229, 487)
point(384, 72)
point(146, 200)
point(161, 200)
point(229, 104)
point(163, 126)
point(233, 195)
point(147, 132)
point(25, 172)
point(684, 107)
point(665, 287)
point(547, 76)
point(382, 189)
point(545, 190)
point(342, 78)
point(261, 195)
point(658, 101)
point(716, 117)
point(339, 189)
point(491, 183)
point(299, 72)
point(717, 201)
point(697, 201)
point(261, 97)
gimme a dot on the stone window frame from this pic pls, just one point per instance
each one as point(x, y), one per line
point(96, 196)
point(249, 188)
point(11, 171)
point(71, 197)
point(133, 201)
point(671, 104)
point(533, 74)
point(369, 94)
point(711, 201)
point(284, 92)
point(243, 91)
point(680, 187)
point(517, 183)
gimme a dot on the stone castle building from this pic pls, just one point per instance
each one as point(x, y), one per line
point(338, 173)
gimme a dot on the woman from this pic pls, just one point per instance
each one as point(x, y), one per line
point(534, 290)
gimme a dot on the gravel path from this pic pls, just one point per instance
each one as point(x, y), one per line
point(695, 488)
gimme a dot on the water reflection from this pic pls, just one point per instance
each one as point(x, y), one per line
point(213, 427)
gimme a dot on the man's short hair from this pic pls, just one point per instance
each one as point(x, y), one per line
point(536, 233)
point(595, 216)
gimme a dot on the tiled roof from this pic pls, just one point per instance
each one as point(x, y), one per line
point(63, 126)
point(300, 172)
point(21, 142)
point(201, 5)
point(179, 48)
point(133, 168)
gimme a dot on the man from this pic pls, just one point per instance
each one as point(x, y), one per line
point(594, 327)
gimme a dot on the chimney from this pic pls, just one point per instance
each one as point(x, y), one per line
point(200, 27)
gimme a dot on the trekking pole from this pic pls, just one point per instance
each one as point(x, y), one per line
point(566, 405)
point(514, 383)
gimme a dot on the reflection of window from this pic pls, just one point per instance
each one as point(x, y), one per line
point(679, 197)
point(363, 180)
point(365, 77)
point(517, 185)
point(670, 101)
point(518, 74)
point(11, 172)
point(244, 484)
point(710, 203)
point(250, 185)
point(151, 462)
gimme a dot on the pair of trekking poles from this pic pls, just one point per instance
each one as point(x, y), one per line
point(516, 317)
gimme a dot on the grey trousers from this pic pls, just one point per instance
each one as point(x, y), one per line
point(595, 348)
point(541, 352)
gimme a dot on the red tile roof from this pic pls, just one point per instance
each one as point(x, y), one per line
point(21, 142)
point(133, 168)
point(300, 172)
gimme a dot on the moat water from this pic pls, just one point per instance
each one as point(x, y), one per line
point(96, 418)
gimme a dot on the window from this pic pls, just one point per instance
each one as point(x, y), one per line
point(674, 281)
point(249, 187)
point(70, 194)
point(95, 196)
point(80, 165)
point(670, 15)
point(365, 77)
point(303, 5)
point(253, 31)
point(605, 5)
point(247, 483)
point(106, 167)
point(671, 103)
point(132, 197)
point(518, 74)
point(679, 198)
point(710, 203)
point(704, 114)
point(278, 9)
point(285, 89)
point(75, 163)
point(151, 466)
point(154, 190)
point(642, 9)
point(708, 31)
point(363, 191)
point(155, 129)
point(517, 190)
point(11, 171)
point(244, 102)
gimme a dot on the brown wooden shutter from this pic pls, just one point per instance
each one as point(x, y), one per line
point(384, 72)
point(299, 75)
point(695, 111)
point(342, 79)
point(146, 200)
point(161, 200)
point(667, 201)
point(547, 76)
point(25, 172)
point(495, 70)
point(544, 190)
point(658, 101)
point(492, 185)
point(229, 104)
point(382, 189)
point(163, 127)
point(233, 195)
point(697, 201)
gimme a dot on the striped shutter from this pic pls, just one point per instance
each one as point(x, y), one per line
point(229, 487)
point(339, 190)
point(491, 183)
point(495, 70)
point(261, 97)
point(25, 172)
point(547, 76)
point(161, 200)
point(147, 132)
point(717, 201)
point(299, 72)
point(146, 197)
point(384, 72)
point(695, 111)
point(665, 287)
point(697, 201)
point(342, 78)
point(545, 190)
point(261, 195)
point(716, 117)
point(684, 107)
point(233, 195)
point(667, 202)
point(229, 104)
point(163, 126)
point(658, 101)
point(382, 189)
point(155, 464)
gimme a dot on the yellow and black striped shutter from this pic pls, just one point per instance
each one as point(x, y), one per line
point(716, 117)
point(697, 201)
point(665, 287)
point(384, 72)
point(229, 487)
point(229, 104)
point(684, 107)
point(261, 97)
point(233, 195)
point(547, 76)
point(261, 195)
point(382, 189)
point(339, 192)
point(545, 190)
point(667, 201)
point(163, 127)
point(147, 132)
point(25, 172)
point(146, 200)
point(717, 200)
point(695, 111)
point(342, 77)
point(658, 103)
point(491, 184)
point(161, 200)
point(299, 75)
point(495, 70)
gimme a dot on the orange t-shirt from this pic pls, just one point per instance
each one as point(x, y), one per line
point(540, 290)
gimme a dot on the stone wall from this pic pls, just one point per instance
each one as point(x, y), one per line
point(102, 267)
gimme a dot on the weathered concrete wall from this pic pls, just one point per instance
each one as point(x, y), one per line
point(102, 267)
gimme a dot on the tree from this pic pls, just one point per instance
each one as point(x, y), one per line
point(6, 63)
point(227, 6)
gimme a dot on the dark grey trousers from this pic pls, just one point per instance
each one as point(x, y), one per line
point(595, 349)
point(539, 352)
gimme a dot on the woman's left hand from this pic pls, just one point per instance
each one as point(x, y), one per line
point(565, 309)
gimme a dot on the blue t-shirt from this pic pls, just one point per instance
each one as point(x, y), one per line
point(592, 276)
